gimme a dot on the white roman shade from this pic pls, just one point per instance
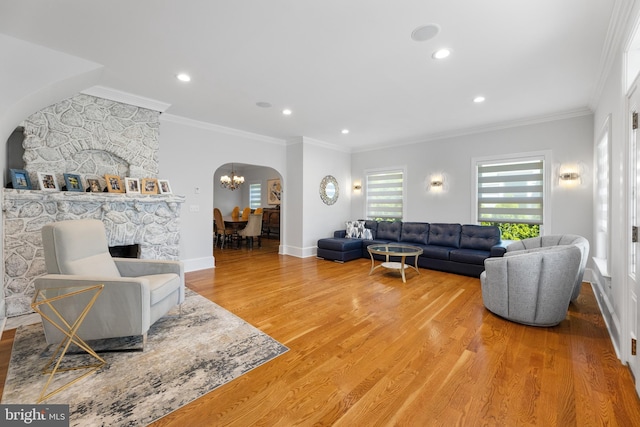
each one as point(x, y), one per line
point(385, 195)
point(511, 192)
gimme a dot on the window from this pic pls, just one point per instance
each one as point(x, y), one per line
point(602, 196)
point(385, 195)
point(510, 194)
point(255, 195)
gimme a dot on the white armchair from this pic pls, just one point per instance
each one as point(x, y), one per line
point(136, 293)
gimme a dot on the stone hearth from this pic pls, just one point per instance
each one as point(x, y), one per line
point(91, 137)
point(152, 221)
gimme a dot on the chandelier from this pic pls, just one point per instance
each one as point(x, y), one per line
point(231, 182)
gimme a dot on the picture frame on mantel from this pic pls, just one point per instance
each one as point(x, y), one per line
point(164, 186)
point(93, 185)
point(149, 186)
point(132, 185)
point(114, 184)
point(73, 182)
point(47, 181)
point(274, 191)
point(20, 179)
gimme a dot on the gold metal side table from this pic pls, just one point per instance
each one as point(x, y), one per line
point(44, 302)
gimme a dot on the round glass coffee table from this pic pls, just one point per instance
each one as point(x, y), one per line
point(389, 250)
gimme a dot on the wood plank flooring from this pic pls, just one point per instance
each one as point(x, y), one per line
point(373, 351)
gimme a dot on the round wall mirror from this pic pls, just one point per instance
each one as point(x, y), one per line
point(329, 190)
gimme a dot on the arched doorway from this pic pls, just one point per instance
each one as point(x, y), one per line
point(260, 189)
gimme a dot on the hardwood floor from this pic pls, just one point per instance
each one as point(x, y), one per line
point(371, 350)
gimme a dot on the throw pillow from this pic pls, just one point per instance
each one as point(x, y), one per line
point(356, 230)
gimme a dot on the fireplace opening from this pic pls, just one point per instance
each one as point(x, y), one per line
point(125, 251)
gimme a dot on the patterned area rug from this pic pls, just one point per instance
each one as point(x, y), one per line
point(185, 357)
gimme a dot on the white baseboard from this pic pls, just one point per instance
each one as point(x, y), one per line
point(196, 264)
point(298, 252)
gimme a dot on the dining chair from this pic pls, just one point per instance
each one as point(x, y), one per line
point(235, 213)
point(245, 213)
point(258, 211)
point(222, 232)
point(253, 229)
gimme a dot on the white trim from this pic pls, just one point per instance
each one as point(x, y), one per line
point(196, 264)
point(126, 98)
point(323, 144)
point(221, 129)
point(298, 252)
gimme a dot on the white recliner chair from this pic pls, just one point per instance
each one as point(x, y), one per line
point(136, 292)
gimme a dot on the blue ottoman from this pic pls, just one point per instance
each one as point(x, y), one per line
point(339, 249)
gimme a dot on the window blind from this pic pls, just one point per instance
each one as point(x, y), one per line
point(255, 196)
point(385, 195)
point(511, 192)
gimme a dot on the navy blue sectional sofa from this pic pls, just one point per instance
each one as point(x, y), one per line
point(454, 248)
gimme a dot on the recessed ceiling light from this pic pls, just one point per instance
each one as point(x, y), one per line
point(425, 32)
point(479, 99)
point(441, 54)
point(345, 131)
point(184, 77)
point(263, 104)
point(287, 112)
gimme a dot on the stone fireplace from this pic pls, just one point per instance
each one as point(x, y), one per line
point(91, 137)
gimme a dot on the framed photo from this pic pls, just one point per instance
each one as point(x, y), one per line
point(132, 185)
point(274, 191)
point(149, 186)
point(20, 179)
point(114, 184)
point(164, 187)
point(73, 182)
point(47, 181)
point(93, 185)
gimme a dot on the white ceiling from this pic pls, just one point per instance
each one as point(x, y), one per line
point(336, 63)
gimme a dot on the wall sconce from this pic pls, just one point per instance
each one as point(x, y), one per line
point(436, 183)
point(357, 186)
point(570, 175)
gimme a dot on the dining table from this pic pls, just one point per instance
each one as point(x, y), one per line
point(236, 224)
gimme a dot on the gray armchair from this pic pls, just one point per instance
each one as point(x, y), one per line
point(554, 240)
point(136, 292)
point(533, 287)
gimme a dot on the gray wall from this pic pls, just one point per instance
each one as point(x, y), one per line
point(569, 141)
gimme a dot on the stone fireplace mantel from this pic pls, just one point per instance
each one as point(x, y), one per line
point(151, 221)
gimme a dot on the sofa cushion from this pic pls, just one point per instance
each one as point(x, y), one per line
point(445, 235)
point(371, 225)
point(355, 229)
point(469, 256)
point(389, 231)
point(436, 252)
point(415, 232)
point(340, 244)
point(481, 237)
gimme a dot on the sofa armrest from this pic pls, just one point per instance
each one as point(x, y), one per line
point(340, 234)
point(122, 309)
point(500, 249)
point(133, 267)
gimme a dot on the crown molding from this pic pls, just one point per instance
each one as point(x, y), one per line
point(486, 128)
point(221, 129)
point(326, 145)
point(126, 98)
point(617, 27)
